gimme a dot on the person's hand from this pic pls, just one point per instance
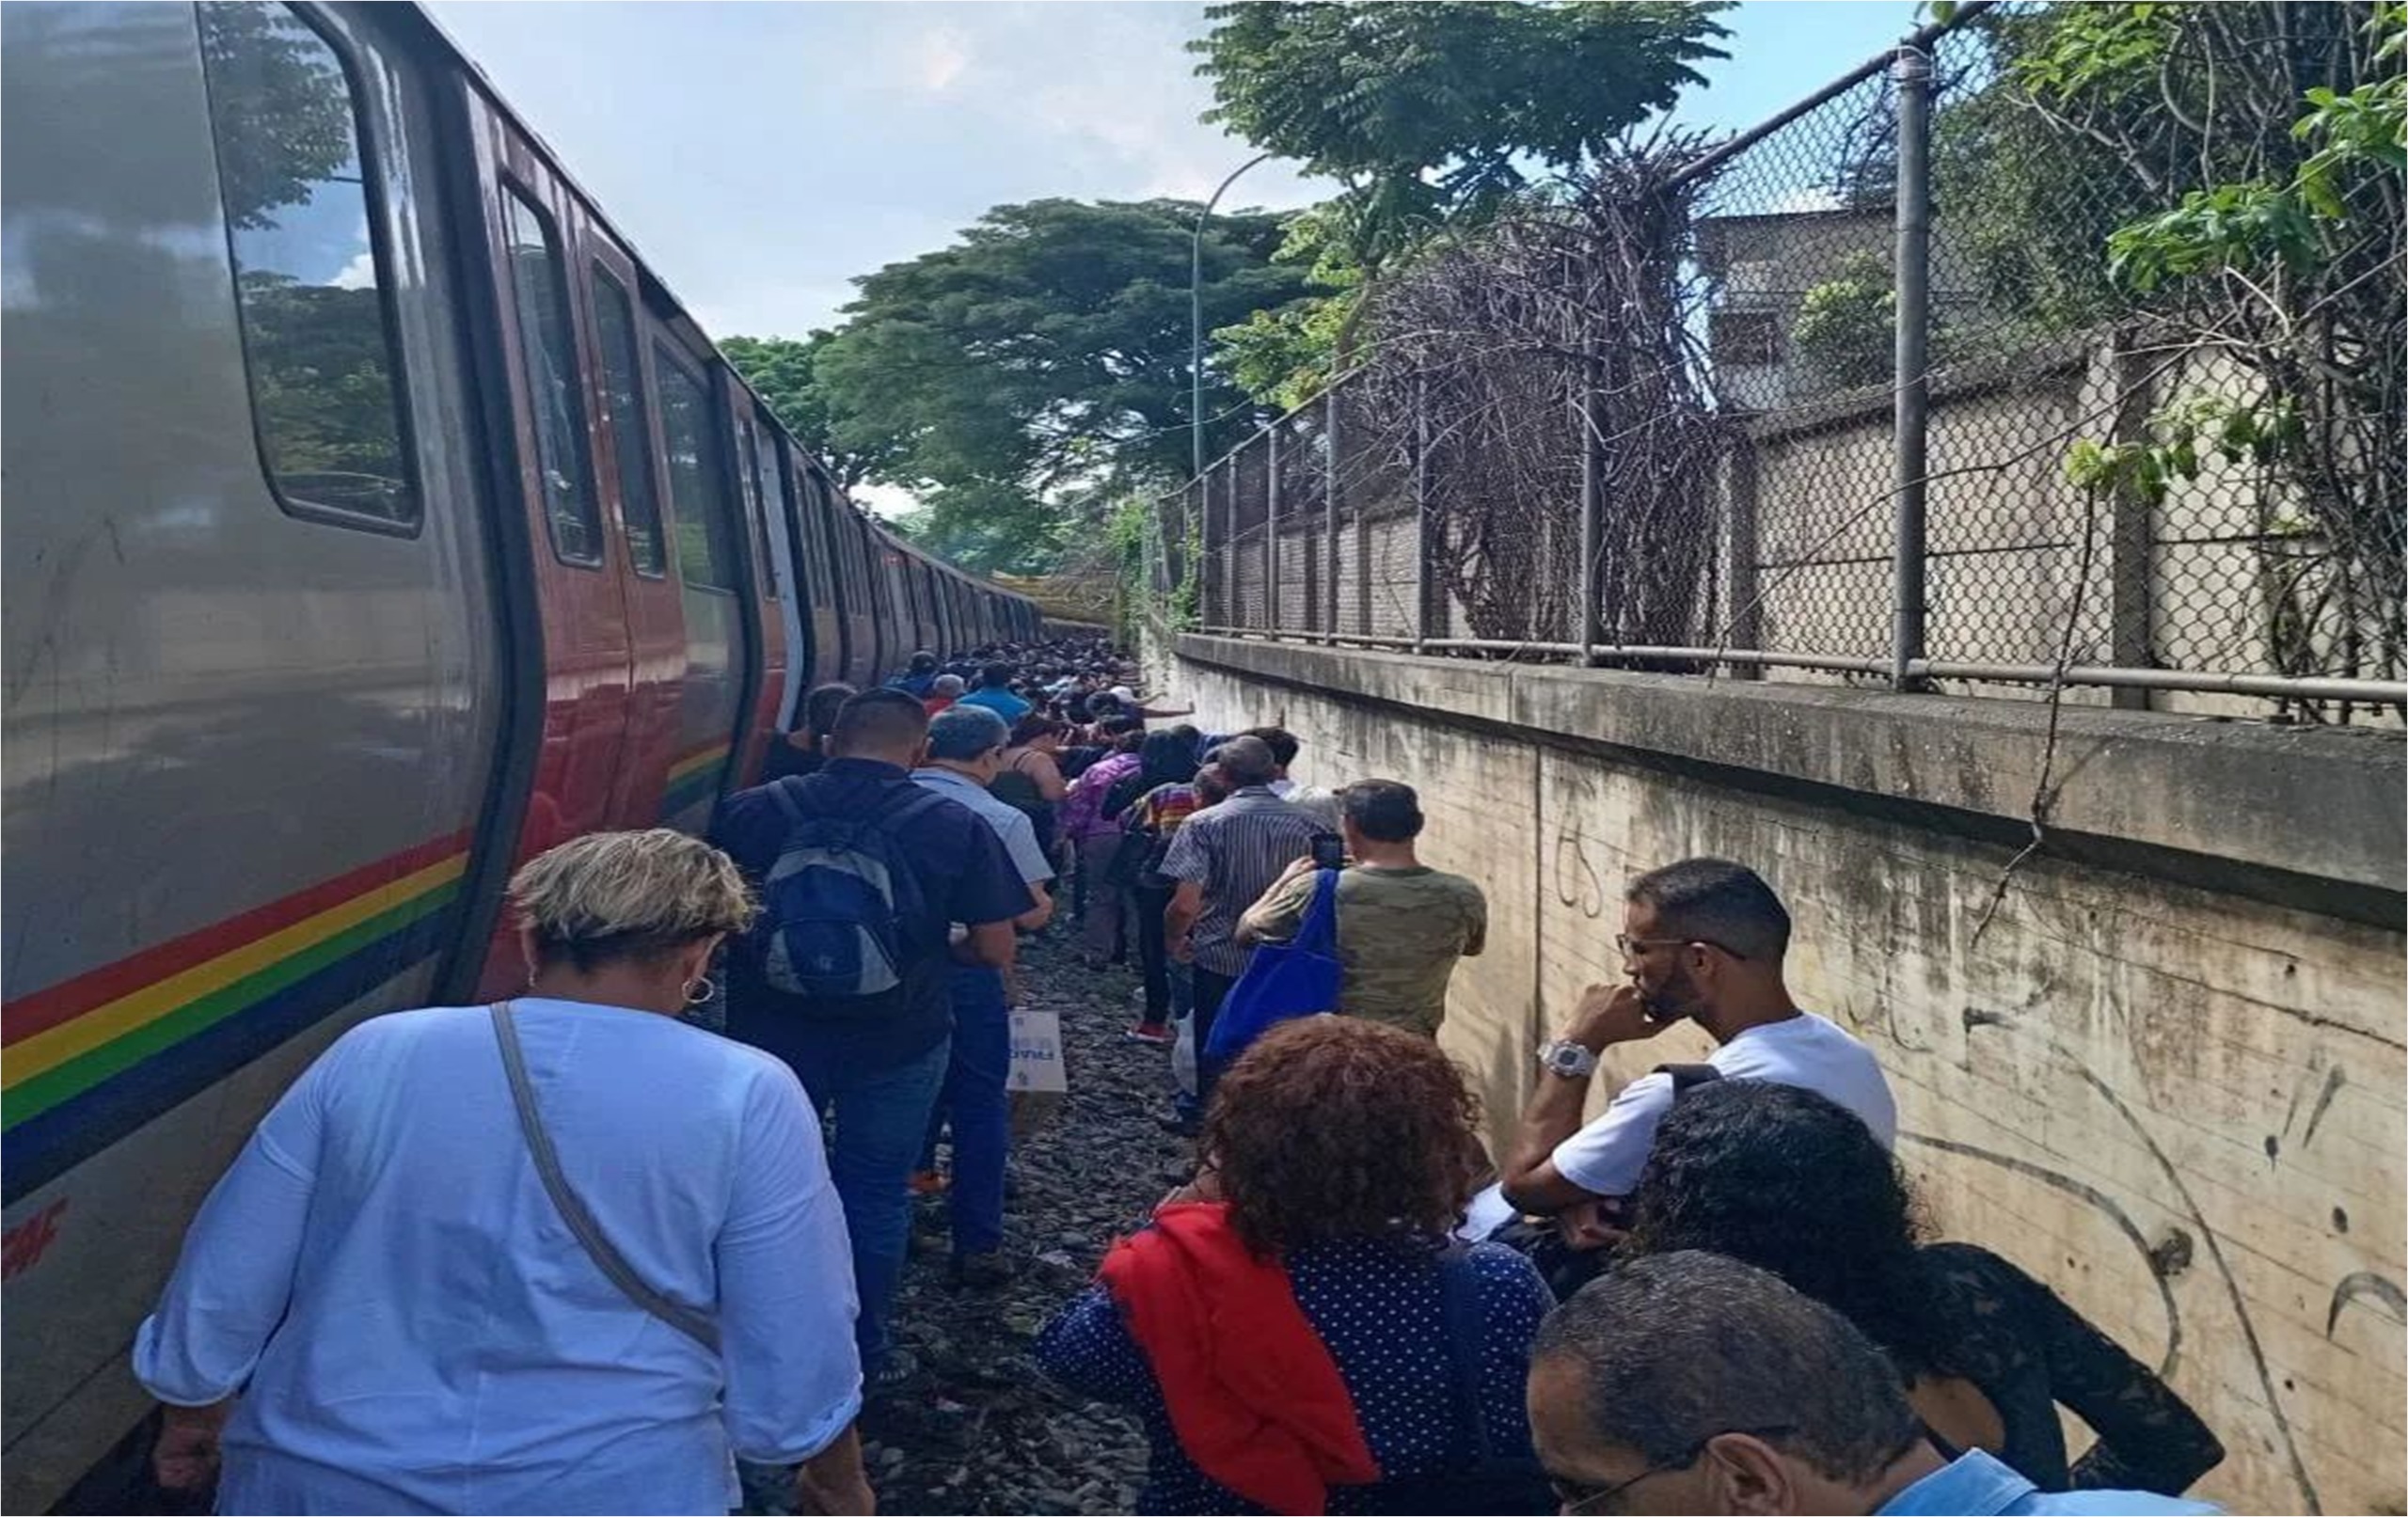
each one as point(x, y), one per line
point(851, 1498)
point(1183, 950)
point(1302, 866)
point(1611, 1014)
point(185, 1457)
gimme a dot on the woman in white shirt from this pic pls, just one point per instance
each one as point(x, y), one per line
point(383, 1307)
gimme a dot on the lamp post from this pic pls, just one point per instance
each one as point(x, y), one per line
point(1195, 316)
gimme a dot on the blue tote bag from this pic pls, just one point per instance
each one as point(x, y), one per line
point(1283, 980)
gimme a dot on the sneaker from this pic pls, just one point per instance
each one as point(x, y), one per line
point(928, 1182)
point(983, 1271)
point(1181, 1124)
point(899, 1371)
point(1158, 1034)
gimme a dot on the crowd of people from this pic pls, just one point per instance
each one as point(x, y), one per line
point(575, 1253)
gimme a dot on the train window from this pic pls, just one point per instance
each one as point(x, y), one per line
point(623, 386)
point(697, 482)
point(548, 346)
point(770, 486)
point(822, 536)
point(309, 269)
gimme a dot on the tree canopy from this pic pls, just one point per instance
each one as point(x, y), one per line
point(783, 370)
point(1019, 378)
point(1432, 116)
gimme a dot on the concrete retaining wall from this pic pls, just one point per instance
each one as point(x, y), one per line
point(2167, 1078)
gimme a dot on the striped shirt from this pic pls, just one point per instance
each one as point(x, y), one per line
point(1236, 850)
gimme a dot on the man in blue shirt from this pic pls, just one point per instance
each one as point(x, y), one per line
point(877, 1073)
point(1691, 1383)
point(994, 692)
point(965, 753)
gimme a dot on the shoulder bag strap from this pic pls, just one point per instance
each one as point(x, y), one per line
point(613, 1264)
point(1317, 932)
point(1458, 1295)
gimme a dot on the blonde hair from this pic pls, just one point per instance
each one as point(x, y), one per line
point(613, 895)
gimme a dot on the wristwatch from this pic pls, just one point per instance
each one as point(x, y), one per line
point(1568, 1059)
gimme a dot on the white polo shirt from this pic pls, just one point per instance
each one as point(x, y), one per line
point(1806, 1050)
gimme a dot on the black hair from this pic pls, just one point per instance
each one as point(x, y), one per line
point(1719, 902)
point(995, 676)
point(924, 662)
point(1675, 1348)
point(878, 722)
point(820, 706)
point(1165, 758)
point(1384, 811)
point(1282, 742)
point(1791, 1181)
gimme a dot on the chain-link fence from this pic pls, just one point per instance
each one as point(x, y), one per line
point(1855, 396)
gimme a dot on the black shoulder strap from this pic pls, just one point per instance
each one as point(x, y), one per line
point(1459, 1298)
point(1688, 1077)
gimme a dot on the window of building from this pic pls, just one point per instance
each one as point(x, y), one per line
point(547, 351)
point(631, 431)
point(697, 481)
point(1745, 337)
point(309, 269)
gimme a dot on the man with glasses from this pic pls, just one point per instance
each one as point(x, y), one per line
point(1690, 1383)
point(1702, 941)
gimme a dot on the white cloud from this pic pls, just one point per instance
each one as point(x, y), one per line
point(359, 274)
point(943, 54)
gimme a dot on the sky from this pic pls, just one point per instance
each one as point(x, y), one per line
point(761, 153)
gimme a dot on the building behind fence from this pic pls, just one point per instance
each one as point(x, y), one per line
point(1872, 484)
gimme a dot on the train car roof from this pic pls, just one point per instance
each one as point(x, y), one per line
point(433, 33)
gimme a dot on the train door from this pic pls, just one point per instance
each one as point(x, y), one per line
point(629, 464)
point(255, 692)
point(769, 597)
point(867, 665)
point(705, 534)
point(580, 602)
point(815, 530)
point(789, 561)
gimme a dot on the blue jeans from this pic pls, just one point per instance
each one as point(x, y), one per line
point(977, 1105)
point(881, 1114)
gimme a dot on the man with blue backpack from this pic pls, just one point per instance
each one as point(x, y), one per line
point(862, 875)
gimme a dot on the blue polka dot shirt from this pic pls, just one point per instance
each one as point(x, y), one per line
point(1378, 1310)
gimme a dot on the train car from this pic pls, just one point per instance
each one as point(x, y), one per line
point(376, 518)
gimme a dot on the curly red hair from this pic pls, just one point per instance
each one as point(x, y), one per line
point(1333, 1126)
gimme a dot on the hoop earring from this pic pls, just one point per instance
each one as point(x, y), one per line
point(699, 990)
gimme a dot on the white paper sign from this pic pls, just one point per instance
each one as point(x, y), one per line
point(1036, 1052)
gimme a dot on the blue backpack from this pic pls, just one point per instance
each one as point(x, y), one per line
point(839, 904)
point(1298, 978)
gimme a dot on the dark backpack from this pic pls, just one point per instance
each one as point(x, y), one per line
point(839, 904)
point(1567, 1268)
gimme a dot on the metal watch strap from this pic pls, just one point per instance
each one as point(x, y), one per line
point(613, 1264)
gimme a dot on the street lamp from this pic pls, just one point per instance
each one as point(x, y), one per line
point(1195, 316)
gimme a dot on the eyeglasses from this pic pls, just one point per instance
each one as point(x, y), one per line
point(1626, 945)
point(1593, 1501)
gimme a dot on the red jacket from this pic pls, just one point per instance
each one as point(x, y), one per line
point(1253, 1392)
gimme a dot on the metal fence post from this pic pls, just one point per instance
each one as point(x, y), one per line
point(1329, 508)
point(1232, 604)
point(1591, 586)
point(1429, 596)
point(1913, 411)
point(1271, 530)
